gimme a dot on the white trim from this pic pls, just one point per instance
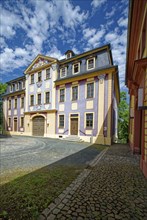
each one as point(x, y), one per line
point(59, 121)
point(78, 68)
point(85, 120)
point(64, 94)
point(74, 85)
point(61, 72)
point(89, 82)
point(93, 63)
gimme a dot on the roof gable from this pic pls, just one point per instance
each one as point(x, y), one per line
point(38, 62)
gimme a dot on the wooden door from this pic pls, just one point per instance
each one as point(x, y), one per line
point(38, 126)
point(74, 126)
point(15, 124)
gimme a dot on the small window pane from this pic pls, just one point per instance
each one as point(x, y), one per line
point(63, 72)
point(47, 97)
point(89, 120)
point(22, 102)
point(62, 95)
point(61, 121)
point(39, 76)
point(76, 68)
point(90, 90)
point(22, 122)
point(32, 100)
point(32, 79)
point(74, 93)
point(39, 99)
point(48, 73)
point(15, 103)
point(91, 63)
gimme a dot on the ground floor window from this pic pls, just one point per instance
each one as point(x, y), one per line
point(22, 122)
point(9, 122)
point(61, 121)
point(89, 120)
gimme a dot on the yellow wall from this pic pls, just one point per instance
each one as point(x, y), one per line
point(145, 118)
point(131, 130)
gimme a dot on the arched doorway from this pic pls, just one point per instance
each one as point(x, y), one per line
point(38, 126)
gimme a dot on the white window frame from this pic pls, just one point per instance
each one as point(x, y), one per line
point(9, 104)
point(59, 121)
point(61, 76)
point(64, 94)
point(49, 97)
point(93, 63)
point(31, 79)
point(40, 99)
point(49, 73)
point(33, 100)
point(76, 85)
point(89, 128)
point(90, 82)
point(68, 55)
point(78, 68)
point(20, 122)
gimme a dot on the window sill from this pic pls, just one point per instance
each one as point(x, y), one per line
point(47, 79)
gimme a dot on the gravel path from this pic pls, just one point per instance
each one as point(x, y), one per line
point(28, 152)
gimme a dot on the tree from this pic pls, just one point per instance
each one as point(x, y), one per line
point(3, 88)
point(123, 118)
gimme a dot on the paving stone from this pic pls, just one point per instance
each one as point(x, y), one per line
point(107, 190)
point(51, 217)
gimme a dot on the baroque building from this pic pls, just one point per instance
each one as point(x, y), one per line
point(136, 79)
point(73, 97)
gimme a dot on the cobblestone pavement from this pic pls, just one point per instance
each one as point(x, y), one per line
point(113, 187)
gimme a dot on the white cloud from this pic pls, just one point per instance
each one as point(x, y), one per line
point(123, 22)
point(54, 52)
point(111, 13)
point(9, 23)
point(97, 3)
point(93, 36)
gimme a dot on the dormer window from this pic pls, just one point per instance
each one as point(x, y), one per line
point(39, 77)
point(63, 72)
point(90, 63)
point(76, 68)
point(68, 55)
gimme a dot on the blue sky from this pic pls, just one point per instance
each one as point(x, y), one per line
point(51, 27)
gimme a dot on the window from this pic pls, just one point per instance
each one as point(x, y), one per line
point(39, 99)
point(90, 90)
point(23, 84)
point(63, 72)
point(39, 77)
point(74, 93)
point(76, 68)
point(13, 86)
point(9, 104)
point(17, 86)
point(15, 103)
point(22, 102)
point(90, 63)
point(68, 55)
point(22, 122)
point(47, 97)
point(32, 100)
point(9, 122)
point(48, 73)
point(61, 121)
point(89, 120)
point(62, 95)
point(32, 78)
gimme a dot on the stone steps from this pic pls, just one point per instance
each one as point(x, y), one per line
point(73, 138)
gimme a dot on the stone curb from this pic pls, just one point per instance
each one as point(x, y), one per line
point(55, 207)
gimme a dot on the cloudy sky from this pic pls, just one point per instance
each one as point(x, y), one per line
point(51, 27)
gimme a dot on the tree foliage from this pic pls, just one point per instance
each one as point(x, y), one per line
point(123, 118)
point(3, 88)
